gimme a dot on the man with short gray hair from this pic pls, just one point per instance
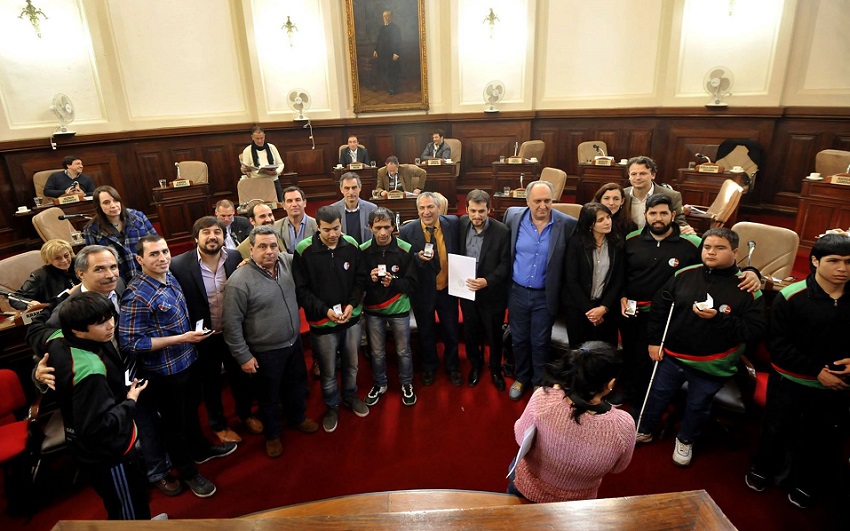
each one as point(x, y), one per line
point(353, 211)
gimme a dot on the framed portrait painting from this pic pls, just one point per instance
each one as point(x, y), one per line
point(386, 47)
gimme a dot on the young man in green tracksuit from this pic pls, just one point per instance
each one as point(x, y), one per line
point(392, 278)
point(808, 393)
point(705, 339)
point(329, 278)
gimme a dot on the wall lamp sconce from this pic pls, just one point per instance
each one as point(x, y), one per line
point(290, 27)
point(491, 20)
point(32, 14)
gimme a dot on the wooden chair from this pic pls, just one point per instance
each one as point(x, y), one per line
point(723, 208)
point(532, 149)
point(776, 248)
point(14, 271)
point(558, 178)
point(586, 152)
point(48, 225)
point(194, 170)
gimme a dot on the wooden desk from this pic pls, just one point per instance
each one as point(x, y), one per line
point(406, 208)
point(368, 180)
point(823, 206)
point(680, 510)
point(442, 179)
point(591, 178)
point(702, 188)
point(501, 203)
point(178, 208)
point(505, 174)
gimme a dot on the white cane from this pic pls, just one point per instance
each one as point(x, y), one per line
point(655, 367)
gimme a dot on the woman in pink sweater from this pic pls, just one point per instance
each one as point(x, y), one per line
point(579, 436)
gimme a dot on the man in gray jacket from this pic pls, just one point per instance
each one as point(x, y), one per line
point(255, 295)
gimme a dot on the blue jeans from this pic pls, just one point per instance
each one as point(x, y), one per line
point(531, 332)
point(282, 377)
point(669, 378)
point(325, 347)
point(376, 330)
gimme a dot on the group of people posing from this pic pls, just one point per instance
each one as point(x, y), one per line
point(628, 266)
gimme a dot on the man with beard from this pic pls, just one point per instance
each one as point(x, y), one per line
point(202, 273)
point(653, 255)
point(259, 214)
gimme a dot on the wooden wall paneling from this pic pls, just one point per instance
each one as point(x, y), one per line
point(223, 170)
point(483, 143)
point(637, 141)
point(574, 136)
point(384, 147)
point(408, 146)
point(151, 167)
point(552, 156)
point(794, 162)
point(611, 138)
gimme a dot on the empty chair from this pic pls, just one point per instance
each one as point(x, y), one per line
point(744, 153)
point(721, 210)
point(444, 203)
point(570, 209)
point(39, 179)
point(262, 189)
point(194, 170)
point(586, 151)
point(457, 152)
point(532, 149)
point(831, 161)
point(48, 225)
point(775, 250)
point(558, 178)
point(14, 271)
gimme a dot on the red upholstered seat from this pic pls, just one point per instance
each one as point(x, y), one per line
point(13, 434)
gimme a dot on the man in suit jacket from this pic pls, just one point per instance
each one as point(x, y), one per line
point(432, 293)
point(488, 241)
point(297, 225)
point(354, 153)
point(539, 237)
point(202, 272)
point(409, 178)
point(438, 149)
point(236, 228)
point(642, 171)
point(354, 211)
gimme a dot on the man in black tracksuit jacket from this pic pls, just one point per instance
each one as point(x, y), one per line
point(703, 344)
point(329, 272)
point(806, 414)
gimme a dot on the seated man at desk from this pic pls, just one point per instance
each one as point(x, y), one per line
point(354, 153)
point(438, 149)
point(258, 157)
point(641, 174)
point(71, 179)
point(408, 179)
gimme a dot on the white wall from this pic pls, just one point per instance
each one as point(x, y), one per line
point(165, 63)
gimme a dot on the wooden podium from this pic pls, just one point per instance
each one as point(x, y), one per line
point(178, 208)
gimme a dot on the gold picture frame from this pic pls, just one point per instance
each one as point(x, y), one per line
point(385, 81)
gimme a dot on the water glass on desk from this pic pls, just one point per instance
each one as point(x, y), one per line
point(162, 183)
point(502, 159)
point(417, 161)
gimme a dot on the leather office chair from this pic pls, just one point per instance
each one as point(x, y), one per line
point(570, 209)
point(831, 161)
point(721, 210)
point(457, 152)
point(776, 248)
point(14, 271)
point(14, 435)
point(444, 204)
point(262, 189)
point(532, 148)
point(194, 170)
point(558, 178)
point(586, 152)
point(39, 179)
point(48, 225)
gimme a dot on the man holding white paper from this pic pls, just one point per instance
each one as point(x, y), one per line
point(703, 344)
point(488, 242)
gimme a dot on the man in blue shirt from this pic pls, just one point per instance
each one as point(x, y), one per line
point(539, 237)
point(154, 328)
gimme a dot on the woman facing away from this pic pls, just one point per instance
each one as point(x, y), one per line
point(613, 196)
point(579, 437)
point(594, 269)
point(51, 280)
point(117, 227)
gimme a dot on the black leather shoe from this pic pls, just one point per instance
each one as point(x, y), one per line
point(456, 378)
point(474, 376)
point(428, 378)
point(498, 380)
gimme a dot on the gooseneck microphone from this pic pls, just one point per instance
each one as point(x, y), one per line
point(598, 149)
point(73, 216)
point(751, 245)
point(701, 156)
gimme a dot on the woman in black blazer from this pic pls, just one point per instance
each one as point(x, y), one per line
point(594, 277)
point(55, 277)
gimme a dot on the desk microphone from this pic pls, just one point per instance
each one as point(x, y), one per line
point(752, 247)
point(598, 149)
point(73, 216)
point(177, 165)
point(701, 156)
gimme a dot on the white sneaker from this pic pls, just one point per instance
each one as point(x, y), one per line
point(682, 453)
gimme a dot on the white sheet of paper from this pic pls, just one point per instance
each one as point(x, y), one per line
point(527, 441)
point(461, 268)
